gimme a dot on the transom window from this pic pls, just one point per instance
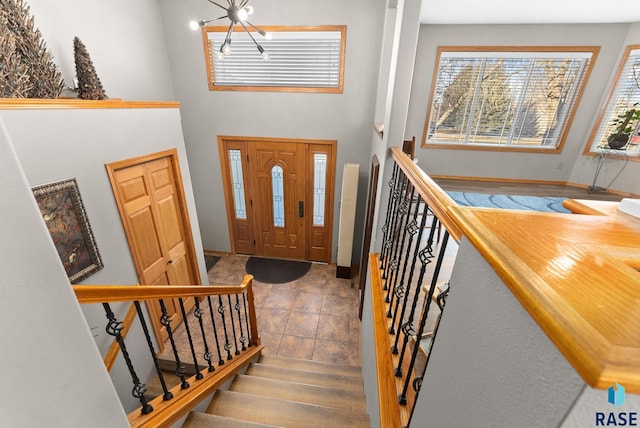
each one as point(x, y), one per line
point(618, 126)
point(300, 59)
point(505, 98)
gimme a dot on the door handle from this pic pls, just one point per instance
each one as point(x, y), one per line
point(300, 209)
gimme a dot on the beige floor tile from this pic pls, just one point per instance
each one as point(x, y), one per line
point(333, 328)
point(296, 347)
point(307, 302)
point(302, 324)
point(331, 352)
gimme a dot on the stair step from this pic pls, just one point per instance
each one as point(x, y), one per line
point(314, 366)
point(331, 380)
point(299, 392)
point(282, 413)
point(205, 420)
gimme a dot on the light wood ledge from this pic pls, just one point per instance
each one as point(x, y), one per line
point(76, 103)
point(576, 276)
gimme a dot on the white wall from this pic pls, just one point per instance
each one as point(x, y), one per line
point(56, 144)
point(347, 117)
point(54, 375)
point(554, 167)
point(124, 39)
point(584, 168)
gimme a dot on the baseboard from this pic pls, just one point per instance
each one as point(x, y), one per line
point(343, 272)
point(499, 180)
point(216, 253)
point(612, 191)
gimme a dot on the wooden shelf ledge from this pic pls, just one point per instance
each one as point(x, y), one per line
point(73, 103)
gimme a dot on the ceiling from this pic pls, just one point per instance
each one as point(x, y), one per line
point(529, 12)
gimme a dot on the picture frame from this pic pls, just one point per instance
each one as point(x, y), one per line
point(64, 214)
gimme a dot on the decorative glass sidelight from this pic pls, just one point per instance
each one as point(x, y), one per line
point(237, 183)
point(319, 187)
point(277, 184)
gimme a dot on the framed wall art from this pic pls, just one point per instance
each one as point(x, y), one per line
point(64, 214)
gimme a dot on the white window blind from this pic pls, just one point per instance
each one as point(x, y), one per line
point(625, 95)
point(511, 99)
point(297, 59)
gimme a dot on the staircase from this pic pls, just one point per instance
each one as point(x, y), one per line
point(285, 392)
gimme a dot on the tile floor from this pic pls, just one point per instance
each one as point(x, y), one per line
point(314, 318)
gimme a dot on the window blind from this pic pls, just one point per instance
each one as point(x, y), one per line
point(505, 98)
point(625, 94)
point(310, 59)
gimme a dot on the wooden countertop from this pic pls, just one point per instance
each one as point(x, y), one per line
point(576, 276)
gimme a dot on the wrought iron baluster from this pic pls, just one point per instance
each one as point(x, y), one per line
point(188, 330)
point(233, 325)
point(416, 251)
point(425, 255)
point(399, 255)
point(165, 320)
point(166, 394)
point(411, 229)
point(390, 207)
point(207, 355)
point(392, 261)
point(215, 331)
point(114, 328)
point(427, 303)
point(227, 345)
point(243, 339)
point(246, 317)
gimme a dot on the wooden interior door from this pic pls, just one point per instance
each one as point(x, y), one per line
point(150, 200)
point(278, 189)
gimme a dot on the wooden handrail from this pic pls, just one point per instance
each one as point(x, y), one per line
point(126, 293)
point(437, 199)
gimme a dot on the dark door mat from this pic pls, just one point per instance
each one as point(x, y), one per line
point(210, 261)
point(272, 271)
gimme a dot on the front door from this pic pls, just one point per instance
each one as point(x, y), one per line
point(150, 199)
point(279, 196)
point(278, 188)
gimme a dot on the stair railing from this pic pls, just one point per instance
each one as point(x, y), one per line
point(223, 322)
point(406, 284)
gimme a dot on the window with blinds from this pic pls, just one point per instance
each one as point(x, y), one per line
point(505, 99)
point(624, 97)
point(302, 59)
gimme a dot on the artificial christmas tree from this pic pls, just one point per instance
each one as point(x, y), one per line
point(89, 86)
point(25, 61)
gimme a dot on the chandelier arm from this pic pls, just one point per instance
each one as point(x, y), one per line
point(249, 33)
point(258, 29)
point(244, 3)
point(213, 20)
point(228, 38)
point(220, 6)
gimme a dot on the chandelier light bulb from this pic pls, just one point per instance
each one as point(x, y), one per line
point(220, 55)
point(268, 36)
point(194, 25)
point(243, 15)
point(265, 56)
point(226, 49)
point(249, 10)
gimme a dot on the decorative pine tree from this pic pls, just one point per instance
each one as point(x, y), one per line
point(24, 58)
point(14, 74)
point(89, 86)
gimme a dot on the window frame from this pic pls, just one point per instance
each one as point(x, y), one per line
point(588, 149)
point(273, 29)
point(594, 50)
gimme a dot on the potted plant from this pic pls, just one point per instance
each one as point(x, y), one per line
point(625, 124)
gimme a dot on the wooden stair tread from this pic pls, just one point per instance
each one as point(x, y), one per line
point(332, 380)
point(315, 366)
point(283, 413)
point(205, 420)
point(302, 393)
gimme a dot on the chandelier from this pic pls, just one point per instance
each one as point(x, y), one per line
point(237, 14)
